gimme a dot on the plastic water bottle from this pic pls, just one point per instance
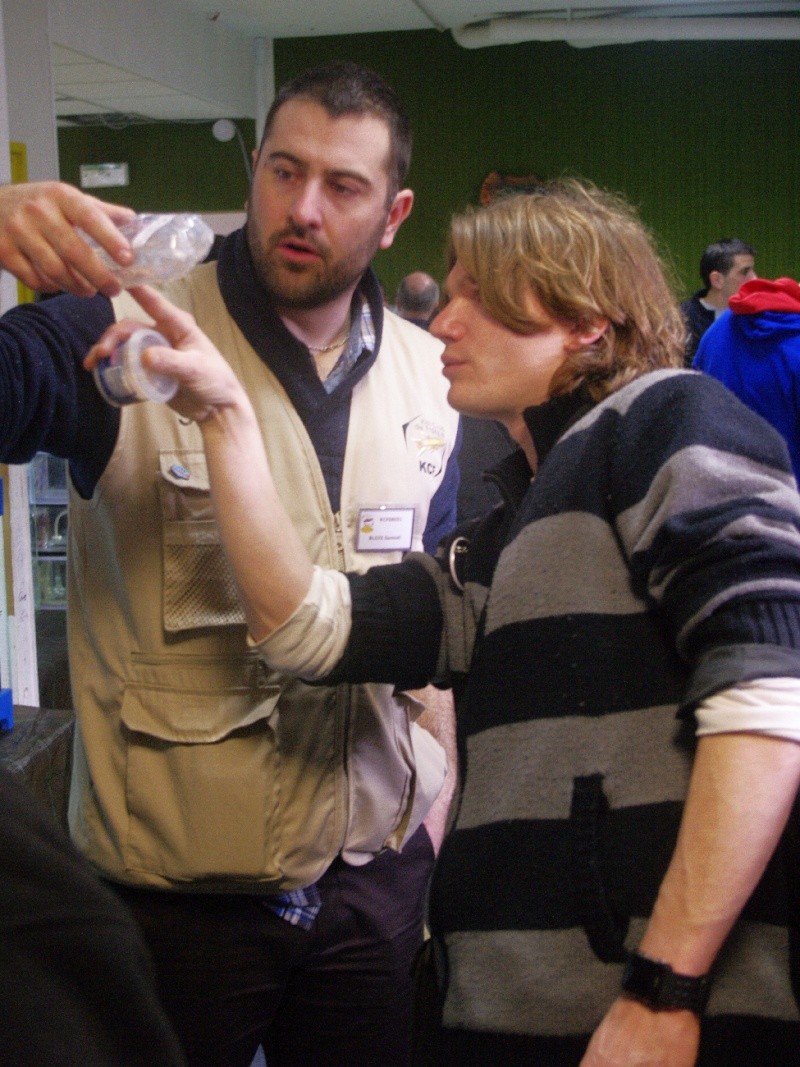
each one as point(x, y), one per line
point(122, 379)
point(165, 247)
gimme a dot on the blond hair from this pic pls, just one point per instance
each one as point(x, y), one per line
point(586, 256)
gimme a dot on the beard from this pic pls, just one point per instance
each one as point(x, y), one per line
point(304, 286)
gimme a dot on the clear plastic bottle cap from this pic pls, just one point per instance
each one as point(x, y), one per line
point(121, 379)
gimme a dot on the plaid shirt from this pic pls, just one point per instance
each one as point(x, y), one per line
point(362, 337)
point(299, 907)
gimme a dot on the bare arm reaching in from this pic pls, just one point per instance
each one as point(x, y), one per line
point(740, 795)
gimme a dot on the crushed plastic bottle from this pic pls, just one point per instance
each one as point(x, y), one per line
point(122, 379)
point(166, 247)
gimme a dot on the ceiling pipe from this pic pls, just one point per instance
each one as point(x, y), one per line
point(590, 32)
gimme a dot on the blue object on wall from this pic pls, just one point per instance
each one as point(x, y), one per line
point(6, 710)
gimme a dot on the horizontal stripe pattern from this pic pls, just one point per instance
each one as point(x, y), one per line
point(512, 982)
point(562, 582)
point(541, 758)
point(571, 665)
point(507, 981)
point(692, 481)
point(668, 505)
point(498, 861)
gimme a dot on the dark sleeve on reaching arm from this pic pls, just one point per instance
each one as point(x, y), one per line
point(443, 509)
point(396, 630)
point(48, 402)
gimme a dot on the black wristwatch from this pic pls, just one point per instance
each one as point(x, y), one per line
point(660, 988)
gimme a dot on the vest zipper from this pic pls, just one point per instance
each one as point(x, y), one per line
point(339, 540)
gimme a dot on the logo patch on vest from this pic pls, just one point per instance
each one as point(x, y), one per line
point(426, 442)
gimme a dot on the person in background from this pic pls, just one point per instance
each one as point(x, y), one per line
point(79, 987)
point(754, 349)
point(724, 266)
point(623, 640)
point(484, 443)
point(417, 298)
point(267, 835)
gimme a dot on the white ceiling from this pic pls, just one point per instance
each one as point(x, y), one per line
point(88, 90)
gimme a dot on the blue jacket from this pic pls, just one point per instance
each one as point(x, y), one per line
point(757, 357)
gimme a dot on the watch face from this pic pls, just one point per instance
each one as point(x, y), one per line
point(658, 986)
point(643, 977)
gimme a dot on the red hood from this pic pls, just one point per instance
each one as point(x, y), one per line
point(760, 294)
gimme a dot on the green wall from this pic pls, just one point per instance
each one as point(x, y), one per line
point(703, 137)
point(175, 166)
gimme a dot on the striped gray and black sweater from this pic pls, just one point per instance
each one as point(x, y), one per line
point(654, 560)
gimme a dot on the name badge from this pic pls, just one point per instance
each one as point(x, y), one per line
point(384, 529)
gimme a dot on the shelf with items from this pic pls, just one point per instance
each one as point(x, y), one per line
point(50, 582)
point(47, 490)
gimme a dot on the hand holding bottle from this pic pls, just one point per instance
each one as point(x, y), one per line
point(40, 243)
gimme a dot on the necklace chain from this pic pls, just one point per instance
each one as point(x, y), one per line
point(337, 343)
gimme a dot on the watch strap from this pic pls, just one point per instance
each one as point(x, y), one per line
point(662, 989)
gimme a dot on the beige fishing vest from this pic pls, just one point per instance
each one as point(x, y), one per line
point(195, 767)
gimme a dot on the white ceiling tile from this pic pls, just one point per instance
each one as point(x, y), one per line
point(96, 88)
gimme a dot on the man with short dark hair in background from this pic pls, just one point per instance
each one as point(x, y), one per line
point(724, 266)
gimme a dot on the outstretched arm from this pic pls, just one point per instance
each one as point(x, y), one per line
point(40, 245)
point(741, 791)
point(271, 563)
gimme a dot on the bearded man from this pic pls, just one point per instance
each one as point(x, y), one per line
point(268, 835)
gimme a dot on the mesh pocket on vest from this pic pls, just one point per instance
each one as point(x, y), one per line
point(199, 588)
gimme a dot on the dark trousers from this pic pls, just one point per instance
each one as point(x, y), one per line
point(232, 975)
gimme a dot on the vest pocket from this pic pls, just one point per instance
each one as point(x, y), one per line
point(380, 804)
point(199, 587)
point(200, 778)
point(395, 770)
